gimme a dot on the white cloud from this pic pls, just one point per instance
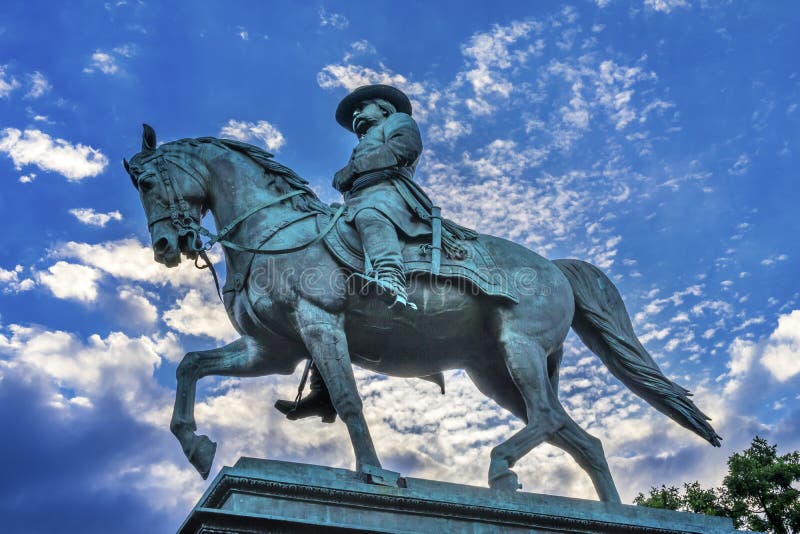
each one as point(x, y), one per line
point(719, 307)
point(78, 373)
point(490, 53)
point(748, 323)
point(359, 48)
point(781, 354)
point(7, 83)
point(654, 334)
point(27, 178)
point(657, 305)
point(128, 259)
point(71, 281)
point(772, 260)
point(352, 76)
point(91, 217)
point(593, 90)
point(335, 20)
point(198, 316)
point(616, 93)
point(104, 62)
point(493, 48)
point(37, 85)
point(776, 354)
point(34, 147)
point(740, 166)
point(164, 485)
point(665, 6)
point(260, 131)
point(503, 204)
point(658, 106)
point(126, 50)
point(11, 283)
point(448, 131)
point(107, 62)
point(502, 157)
point(138, 308)
point(116, 364)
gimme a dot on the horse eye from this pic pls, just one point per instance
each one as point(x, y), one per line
point(146, 184)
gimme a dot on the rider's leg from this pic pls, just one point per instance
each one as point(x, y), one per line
point(318, 402)
point(379, 237)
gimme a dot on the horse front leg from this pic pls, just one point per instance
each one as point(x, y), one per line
point(243, 357)
point(324, 337)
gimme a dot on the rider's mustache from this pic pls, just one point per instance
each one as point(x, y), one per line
point(362, 123)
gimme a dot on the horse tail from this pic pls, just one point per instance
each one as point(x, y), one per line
point(603, 324)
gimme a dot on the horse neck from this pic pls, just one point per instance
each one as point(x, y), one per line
point(236, 184)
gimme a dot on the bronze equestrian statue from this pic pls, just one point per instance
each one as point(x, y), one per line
point(296, 275)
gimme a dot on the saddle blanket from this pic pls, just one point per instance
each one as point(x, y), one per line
point(478, 268)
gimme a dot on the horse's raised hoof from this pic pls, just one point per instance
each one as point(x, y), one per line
point(505, 481)
point(202, 455)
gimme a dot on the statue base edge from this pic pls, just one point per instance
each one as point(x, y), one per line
point(257, 496)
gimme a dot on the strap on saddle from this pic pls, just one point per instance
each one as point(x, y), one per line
point(436, 241)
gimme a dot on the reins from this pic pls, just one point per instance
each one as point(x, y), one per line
point(186, 225)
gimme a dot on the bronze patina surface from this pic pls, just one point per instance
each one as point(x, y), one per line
point(291, 299)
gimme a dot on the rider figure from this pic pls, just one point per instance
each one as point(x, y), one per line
point(389, 146)
point(382, 199)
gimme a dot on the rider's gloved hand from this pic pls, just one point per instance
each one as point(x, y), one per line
point(344, 178)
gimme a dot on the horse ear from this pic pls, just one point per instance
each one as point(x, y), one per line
point(148, 138)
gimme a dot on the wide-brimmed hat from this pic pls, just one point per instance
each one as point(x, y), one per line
point(393, 95)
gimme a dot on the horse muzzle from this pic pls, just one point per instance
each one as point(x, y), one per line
point(166, 250)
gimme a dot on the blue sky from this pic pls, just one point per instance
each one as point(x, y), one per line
point(658, 139)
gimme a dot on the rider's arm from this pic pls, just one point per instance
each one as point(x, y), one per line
point(402, 146)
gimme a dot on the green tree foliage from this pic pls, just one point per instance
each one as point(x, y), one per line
point(668, 498)
point(762, 488)
point(761, 491)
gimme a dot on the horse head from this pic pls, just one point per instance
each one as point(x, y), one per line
point(170, 184)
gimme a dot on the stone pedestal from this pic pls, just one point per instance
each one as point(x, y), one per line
point(269, 496)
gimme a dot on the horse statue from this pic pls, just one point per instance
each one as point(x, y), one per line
point(291, 301)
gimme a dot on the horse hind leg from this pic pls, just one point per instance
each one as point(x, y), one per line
point(587, 451)
point(243, 357)
point(527, 366)
point(584, 448)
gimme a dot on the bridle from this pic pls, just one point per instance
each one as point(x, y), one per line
point(188, 227)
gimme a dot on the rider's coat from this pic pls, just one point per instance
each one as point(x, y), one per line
point(379, 172)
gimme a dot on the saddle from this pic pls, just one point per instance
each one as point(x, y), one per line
point(478, 269)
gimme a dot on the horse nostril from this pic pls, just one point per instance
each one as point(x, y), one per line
point(161, 245)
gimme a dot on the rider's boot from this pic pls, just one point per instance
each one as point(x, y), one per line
point(390, 285)
point(379, 238)
point(316, 403)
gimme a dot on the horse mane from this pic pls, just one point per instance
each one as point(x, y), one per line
point(307, 202)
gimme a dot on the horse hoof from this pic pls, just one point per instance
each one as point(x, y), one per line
point(202, 455)
point(505, 481)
